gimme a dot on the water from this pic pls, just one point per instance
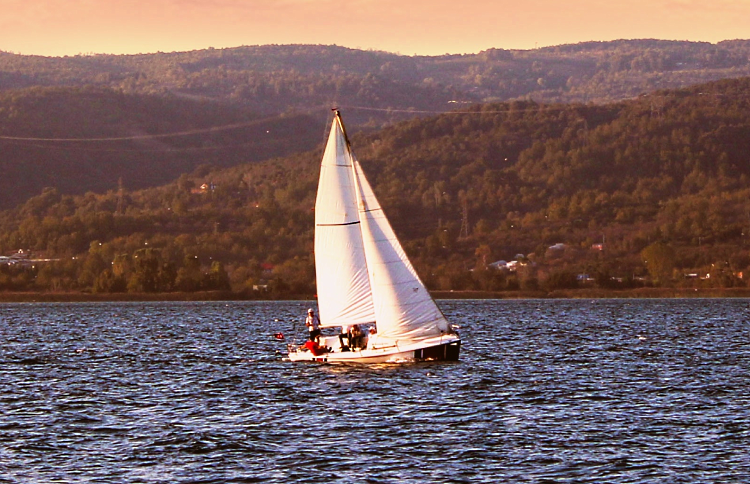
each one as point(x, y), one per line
point(635, 391)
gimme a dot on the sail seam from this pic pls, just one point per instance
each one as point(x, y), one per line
point(337, 225)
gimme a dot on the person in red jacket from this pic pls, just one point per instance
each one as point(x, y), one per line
point(315, 348)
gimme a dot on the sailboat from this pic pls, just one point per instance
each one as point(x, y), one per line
point(363, 275)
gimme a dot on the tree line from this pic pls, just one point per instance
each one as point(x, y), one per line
point(274, 79)
point(651, 191)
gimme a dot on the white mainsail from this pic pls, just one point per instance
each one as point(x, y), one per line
point(363, 274)
point(344, 295)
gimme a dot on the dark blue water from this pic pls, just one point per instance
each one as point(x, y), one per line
point(641, 391)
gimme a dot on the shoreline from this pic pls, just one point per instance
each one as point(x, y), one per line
point(639, 293)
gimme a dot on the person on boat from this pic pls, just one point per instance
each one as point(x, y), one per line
point(372, 338)
point(345, 335)
point(313, 325)
point(315, 348)
point(356, 338)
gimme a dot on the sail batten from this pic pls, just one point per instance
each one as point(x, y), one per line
point(338, 225)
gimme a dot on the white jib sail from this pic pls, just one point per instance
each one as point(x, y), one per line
point(343, 286)
point(404, 310)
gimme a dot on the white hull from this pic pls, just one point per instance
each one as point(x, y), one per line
point(440, 348)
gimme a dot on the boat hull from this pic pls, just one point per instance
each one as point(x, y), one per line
point(445, 349)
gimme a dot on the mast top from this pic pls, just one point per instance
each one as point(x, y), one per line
point(337, 115)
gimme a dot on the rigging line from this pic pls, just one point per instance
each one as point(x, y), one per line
point(251, 123)
point(165, 150)
point(546, 107)
point(137, 137)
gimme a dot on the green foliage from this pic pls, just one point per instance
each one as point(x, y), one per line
point(273, 79)
point(133, 98)
point(562, 279)
point(462, 190)
point(660, 260)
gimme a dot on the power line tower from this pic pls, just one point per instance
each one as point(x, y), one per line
point(464, 232)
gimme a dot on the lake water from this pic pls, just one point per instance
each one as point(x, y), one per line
point(641, 391)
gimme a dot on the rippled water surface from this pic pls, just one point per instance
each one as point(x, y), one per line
point(546, 391)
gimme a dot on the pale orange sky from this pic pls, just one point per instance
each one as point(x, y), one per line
point(431, 27)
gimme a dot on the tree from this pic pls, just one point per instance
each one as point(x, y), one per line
point(108, 282)
point(145, 275)
point(562, 279)
point(482, 252)
point(218, 280)
point(189, 277)
point(659, 258)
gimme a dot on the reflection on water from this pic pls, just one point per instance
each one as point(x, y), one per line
point(546, 391)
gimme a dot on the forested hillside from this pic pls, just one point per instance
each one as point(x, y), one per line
point(273, 79)
point(647, 191)
point(92, 139)
point(161, 109)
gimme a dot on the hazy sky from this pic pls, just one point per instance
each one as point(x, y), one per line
point(69, 27)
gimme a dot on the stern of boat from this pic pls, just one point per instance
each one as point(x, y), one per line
point(443, 352)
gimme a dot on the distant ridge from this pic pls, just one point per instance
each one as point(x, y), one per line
point(139, 95)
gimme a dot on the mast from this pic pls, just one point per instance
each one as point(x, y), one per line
point(337, 117)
